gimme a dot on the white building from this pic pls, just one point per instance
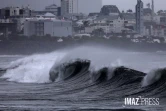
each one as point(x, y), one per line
point(69, 6)
point(110, 24)
point(47, 26)
point(159, 30)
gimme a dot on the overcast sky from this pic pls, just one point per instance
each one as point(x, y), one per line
point(126, 4)
point(40, 4)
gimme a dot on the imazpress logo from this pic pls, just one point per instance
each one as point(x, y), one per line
point(140, 101)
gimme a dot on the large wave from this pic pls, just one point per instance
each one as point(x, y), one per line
point(99, 64)
point(155, 76)
point(67, 70)
point(32, 69)
point(36, 68)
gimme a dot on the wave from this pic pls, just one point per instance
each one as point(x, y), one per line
point(101, 68)
point(27, 70)
point(119, 74)
point(67, 70)
point(154, 77)
point(102, 74)
point(32, 69)
point(117, 78)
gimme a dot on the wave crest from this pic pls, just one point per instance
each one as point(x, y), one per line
point(157, 75)
point(67, 70)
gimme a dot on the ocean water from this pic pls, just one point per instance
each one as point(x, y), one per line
point(82, 78)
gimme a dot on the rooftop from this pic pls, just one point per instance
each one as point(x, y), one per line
point(49, 15)
point(128, 16)
point(113, 17)
point(45, 19)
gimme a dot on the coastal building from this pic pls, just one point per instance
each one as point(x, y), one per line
point(129, 20)
point(15, 12)
point(147, 11)
point(8, 26)
point(69, 6)
point(109, 24)
point(110, 10)
point(163, 20)
point(78, 6)
point(52, 9)
point(139, 17)
point(47, 26)
point(94, 14)
point(159, 30)
point(154, 29)
point(46, 15)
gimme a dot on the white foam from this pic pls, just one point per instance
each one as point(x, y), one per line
point(152, 77)
point(35, 68)
point(32, 69)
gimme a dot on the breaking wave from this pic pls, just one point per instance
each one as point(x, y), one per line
point(100, 67)
point(157, 76)
point(67, 70)
point(32, 69)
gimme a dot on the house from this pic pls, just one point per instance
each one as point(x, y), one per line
point(109, 24)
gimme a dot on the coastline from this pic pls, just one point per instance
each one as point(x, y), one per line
point(28, 47)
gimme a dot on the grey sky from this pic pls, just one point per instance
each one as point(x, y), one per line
point(40, 4)
point(126, 4)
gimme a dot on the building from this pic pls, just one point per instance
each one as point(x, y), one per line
point(109, 24)
point(52, 9)
point(147, 11)
point(69, 6)
point(78, 6)
point(139, 17)
point(129, 20)
point(74, 16)
point(47, 26)
point(110, 10)
point(46, 15)
point(163, 20)
point(159, 30)
point(154, 29)
point(59, 11)
point(15, 12)
point(93, 14)
point(8, 26)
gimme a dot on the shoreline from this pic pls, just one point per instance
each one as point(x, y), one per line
point(28, 47)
